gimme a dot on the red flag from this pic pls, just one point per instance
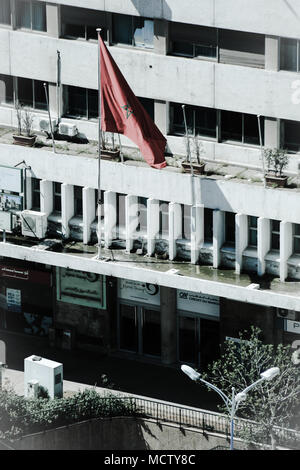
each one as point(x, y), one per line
point(123, 113)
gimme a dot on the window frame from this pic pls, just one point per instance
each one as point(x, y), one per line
point(175, 127)
point(56, 196)
point(275, 233)
point(36, 193)
point(8, 25)
point(23, 28)
point(133, 22)
point(85, 117)
point(33, 82)
point(163, 215)
point(281, 39)
point(251, 229)
point(296, 237)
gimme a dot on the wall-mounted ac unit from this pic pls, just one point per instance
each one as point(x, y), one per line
point(48, 374)
point(287, 314)
point(45, 125)
point(67, 129)
point(34, 224)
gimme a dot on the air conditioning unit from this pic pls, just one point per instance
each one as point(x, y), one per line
point(287, 314)
point(48, 374)
point(45, 125)
point(67, 129)
point(34, 224)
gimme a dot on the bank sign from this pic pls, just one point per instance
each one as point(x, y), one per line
point(139, 292)
point(195, 302)
point(81, 288)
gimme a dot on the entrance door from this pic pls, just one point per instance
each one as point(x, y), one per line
point(139, 330)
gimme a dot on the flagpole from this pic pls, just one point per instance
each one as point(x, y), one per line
point(99, 201)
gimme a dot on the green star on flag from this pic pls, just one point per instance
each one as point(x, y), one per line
point(128, 109)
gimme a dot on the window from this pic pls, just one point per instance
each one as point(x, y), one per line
point(148, 104)
point(252, 231)
point(193, 41)
point(229, 227)
point(80, 102)
point(241, 48)
point(82, 23)
point(290, 135)
point(134, 31)
point(78, 200)
point(5, 12)
point(57, 197)
point(208, 225)
point(186, 222)
point(31, 15)
point(6, 89)
point(142, 214)
point(275, 235)
point(289, 55)
point(163, 219)
point(200, 121)
point(31, 93)
point(121, 218)
point(35, 188)
point(241, 127)
point(296, 244)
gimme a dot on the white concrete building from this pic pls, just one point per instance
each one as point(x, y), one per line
point(235, 244)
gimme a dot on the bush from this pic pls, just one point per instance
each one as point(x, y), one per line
point(20, 416)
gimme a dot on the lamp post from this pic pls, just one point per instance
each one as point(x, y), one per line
point(232, 403)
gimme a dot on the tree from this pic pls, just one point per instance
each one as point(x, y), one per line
point(270, 404)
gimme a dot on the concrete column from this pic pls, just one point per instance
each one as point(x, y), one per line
point(67, 207)
point(168, 325)
point(272, 132)
point(152, 224)
point(218, 235)
point(241, 240)
point(88, 212)
point(161, 36)
point(46, 196)
point(161, 116)
point(175, 228)
point(263, 243)
point(131, 220)
point(272, 54)
point(197, 231)
point(28, 204)
point(53, 20)
point(110, 217)
point(286, 247)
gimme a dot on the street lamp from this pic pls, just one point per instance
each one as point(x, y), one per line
point(232, 403)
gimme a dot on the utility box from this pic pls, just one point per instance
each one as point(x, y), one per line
point(33, 389)
point(48, 374)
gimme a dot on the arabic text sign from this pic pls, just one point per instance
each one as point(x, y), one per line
point(81, 288)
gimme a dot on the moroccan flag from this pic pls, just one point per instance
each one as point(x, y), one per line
point(123, 113)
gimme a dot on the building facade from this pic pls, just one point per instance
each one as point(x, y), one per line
point(187, 260)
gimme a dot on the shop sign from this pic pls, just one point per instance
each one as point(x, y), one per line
point(23, 274)
point(196, 302)
point(138, 292)
point(81, 288)
point(13, 299)
point(10, 202)
point(292, 326)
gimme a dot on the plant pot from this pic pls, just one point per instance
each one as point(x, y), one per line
point(198, 168)
point(107, 154)
point(278, 181)
point(24, 140)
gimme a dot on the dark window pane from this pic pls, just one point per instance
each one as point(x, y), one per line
point(6, 89)
point(186, 224)
point(74, 30)
point(183, 48)
point(142, 202)
point(39, 16)
point(252, 237)
point(296, 245)
point(205, 122)
point(205, 51)
point(148, 104)
point(78, 200)
point(178, 120)
point(122, 29)
point(40, 101)
point(275, 237)
point(229, 227)
point(231, 125)
point(275, 226)
point(288, 54)
point(251, 131)
point(208, 225)
point(5, 12)
point(291, 135)
point(25, 95)
point(76, 101)
point(164, 218)
point(252, 222)
point(93, 104)
point(297, 229)
point(23, 14)
point(275, 241)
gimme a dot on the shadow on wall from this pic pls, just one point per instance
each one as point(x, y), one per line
point(159, 8)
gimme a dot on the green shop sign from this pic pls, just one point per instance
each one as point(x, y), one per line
point(81, 288)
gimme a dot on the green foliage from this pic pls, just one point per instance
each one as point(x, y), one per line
point(277, 160)
point(20, 416)
point(271, 403)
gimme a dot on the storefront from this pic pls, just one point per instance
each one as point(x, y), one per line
point(26, 298)
point(139, 323)
point(198, 328)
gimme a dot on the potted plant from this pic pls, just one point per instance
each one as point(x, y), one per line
point(25, 135)
point(277, 160)
point(195, 163)
point(109, 153)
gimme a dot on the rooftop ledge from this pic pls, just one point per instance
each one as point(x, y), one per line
point(89, 149)
point(195, 278)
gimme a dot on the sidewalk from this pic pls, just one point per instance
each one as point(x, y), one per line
point(83, 368)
